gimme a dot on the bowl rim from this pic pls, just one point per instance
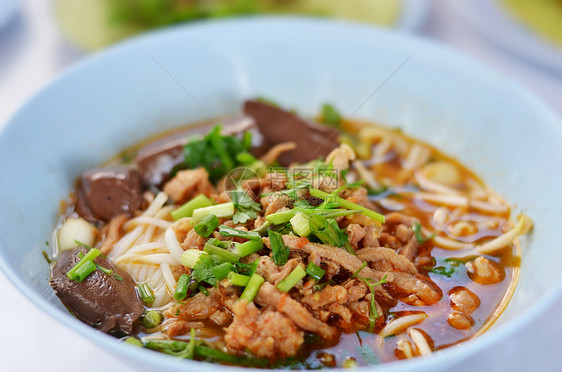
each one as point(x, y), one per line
point(442, 358)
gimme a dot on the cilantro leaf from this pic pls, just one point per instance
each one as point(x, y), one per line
point(246, 208)
point(203, 270)
point(417, 232)
point(216, 153)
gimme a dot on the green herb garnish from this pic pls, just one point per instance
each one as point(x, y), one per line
point(373, 313)
point(215, 152)
point(279, 252)
point(229, 231)
point(246, 208)
point(416, 227)
point(330, 115)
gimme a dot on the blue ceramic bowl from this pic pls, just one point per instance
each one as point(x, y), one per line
point(185, 74)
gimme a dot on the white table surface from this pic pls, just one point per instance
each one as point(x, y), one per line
point(32, 52)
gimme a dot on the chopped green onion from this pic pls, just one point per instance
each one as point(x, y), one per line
point(247, 140)
point(216, 355)
point(221, 271)
point(262, 230)
point(186, 210)
point(207, 225)
point(300, 224)
point(104, 270)
point(280, 217)
point(245, 158)
point(347, 204)
point(279, 252)
point(249, 247)
point(145, 293)
point(190, 257)
point(315, 271)
point(181, 287)
point(134, 341)
point(328, 231)
point(238, 279)
point(217, 243)
point(203, 290)
point(46, 256)
point(229, 231)
point(252, 287)
point(88, 257)
point(222, 253)
point(292, 279)
point(151, 319)
point(83, 271)
point(320, 286)
point(416, 227)
point(219, 210)
point(285, 216)
point(330, 115)
point(176, 348)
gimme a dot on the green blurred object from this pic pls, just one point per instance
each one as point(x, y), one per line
point(93, 24)
point(542, 16)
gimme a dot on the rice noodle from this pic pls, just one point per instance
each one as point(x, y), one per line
point(489, 207)
point(168, 277)
point(462, 201)
point(380, 151)
point(428, 185)
point(451, 244)
point(451, 200)
point(417, 156)
point(148, 248)
point(125, 242)
point(172, 243)
point(161, 296)
point(397, 325)
point(406, 348)
point(504, 240)
point(366, 175)
point(147, 220)
point(420, 342)
point(462, 228)
point(156, 279)
point(156, 205)
point(156, 259)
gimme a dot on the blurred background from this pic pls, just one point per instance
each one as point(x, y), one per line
point(41, 38)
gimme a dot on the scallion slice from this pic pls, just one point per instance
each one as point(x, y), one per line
point(151, 319)
point(207, 225)
point(229, 231)
point(238, 279)
point(88, 257)
point(145, 293)
point(252, 287)
point(222, 253)
point(219, 210)
point(221, 271)
point(186, 210)
point(292, 279)
point(181, 287)
point(249, 247)
point(83, 271)
point(300, 224)
point(315, 271)
point(347, 204)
